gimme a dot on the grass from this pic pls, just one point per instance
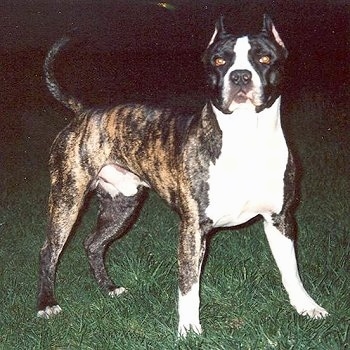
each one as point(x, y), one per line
point(243, 303)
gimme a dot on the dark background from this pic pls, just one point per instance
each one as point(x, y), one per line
point(138, 50)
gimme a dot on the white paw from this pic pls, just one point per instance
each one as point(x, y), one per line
point(310, 308)
point(316, 312)
point(189, 312)
point(184, 329)
point(49, 311)
point(116, 292)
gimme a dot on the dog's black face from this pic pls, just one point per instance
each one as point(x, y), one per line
point(245, 70)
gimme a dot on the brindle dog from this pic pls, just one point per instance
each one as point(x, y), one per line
point(217, 168)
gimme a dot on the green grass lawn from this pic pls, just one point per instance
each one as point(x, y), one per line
point(243, 303)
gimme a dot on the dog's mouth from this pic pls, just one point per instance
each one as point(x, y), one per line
point(236, 97)
point(242, 98)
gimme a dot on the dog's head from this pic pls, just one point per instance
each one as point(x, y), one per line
point(245, 70)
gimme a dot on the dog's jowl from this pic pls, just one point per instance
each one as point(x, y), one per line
point(219, 168)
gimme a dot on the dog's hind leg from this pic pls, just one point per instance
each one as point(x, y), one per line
point(279, 232)
point(116, 215)
point(65, 202)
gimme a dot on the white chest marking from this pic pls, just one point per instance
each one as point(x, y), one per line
point(247, 178)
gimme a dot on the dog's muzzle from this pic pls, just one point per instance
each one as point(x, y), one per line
point(242, 85)
point(239, 88)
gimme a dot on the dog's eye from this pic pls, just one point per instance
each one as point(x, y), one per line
point(265, 59)
point(219, 61)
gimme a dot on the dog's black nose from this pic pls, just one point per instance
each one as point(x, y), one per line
point(241, 77)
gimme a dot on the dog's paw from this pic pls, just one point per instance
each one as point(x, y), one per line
point(117, 291)
point(308, 307)
point(316, 312)
point(185, 329)
point(49, 311)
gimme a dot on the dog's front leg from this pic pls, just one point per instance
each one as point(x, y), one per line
point(278, 234)
point(191, 253)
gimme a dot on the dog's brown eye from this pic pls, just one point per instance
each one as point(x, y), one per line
point(219, 61)
point(265, 59)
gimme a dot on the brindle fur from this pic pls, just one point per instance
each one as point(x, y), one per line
point(170, 152)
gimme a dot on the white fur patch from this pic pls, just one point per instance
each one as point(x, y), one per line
point(49, 311)
point(247, 178)
point(241, 50)
point(118, 291)
point(115, 179)
point(284, 254)
point(189, 312)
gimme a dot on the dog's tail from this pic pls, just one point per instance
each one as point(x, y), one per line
point(51, 82)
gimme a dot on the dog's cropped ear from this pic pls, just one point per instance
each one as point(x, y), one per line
point(219, 29)
point(271, 30)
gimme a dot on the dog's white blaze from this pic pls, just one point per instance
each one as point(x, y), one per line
point(247, 178)
point(284, 254)
point(241, 50)
point(114, 180)
point(189, 311)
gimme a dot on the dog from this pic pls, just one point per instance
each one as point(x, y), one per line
point(218, 168)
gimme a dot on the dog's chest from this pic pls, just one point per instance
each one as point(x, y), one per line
point(247, 178)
